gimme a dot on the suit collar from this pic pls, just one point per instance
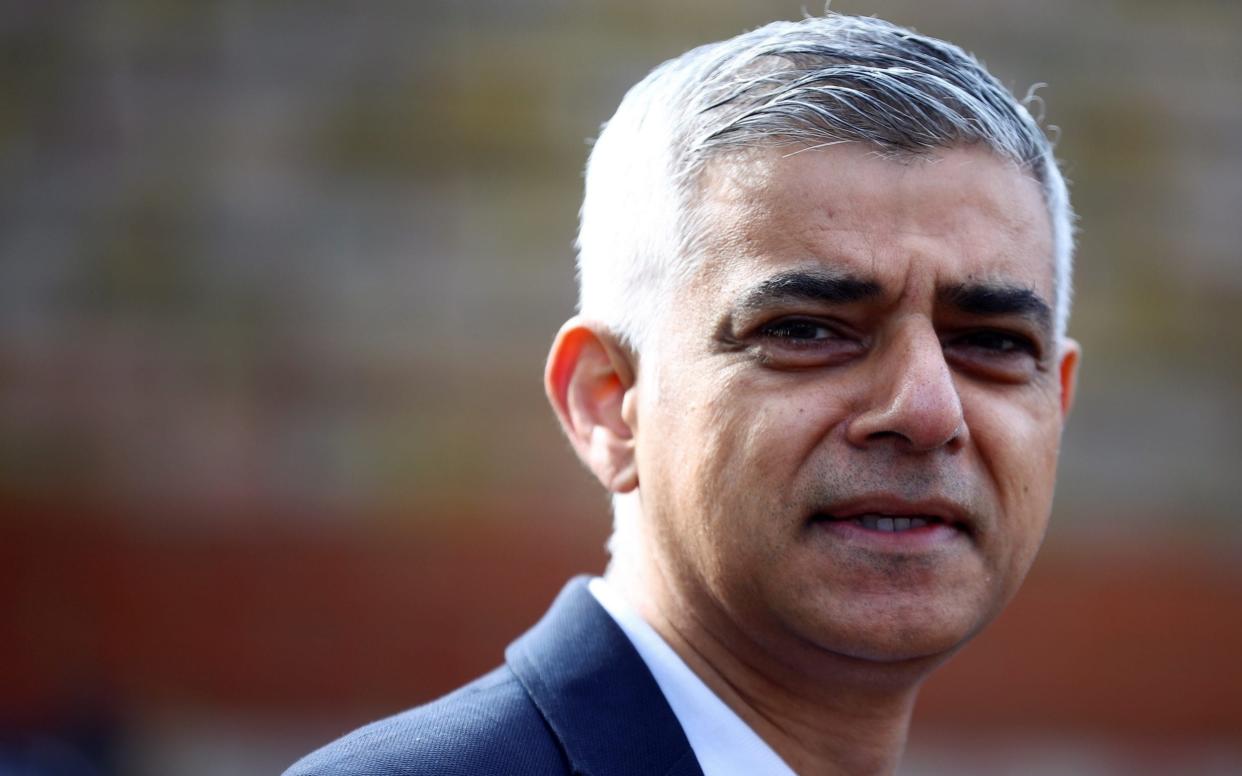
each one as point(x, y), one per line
point(596, 693)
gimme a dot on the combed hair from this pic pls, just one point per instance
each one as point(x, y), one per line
point(816, 82)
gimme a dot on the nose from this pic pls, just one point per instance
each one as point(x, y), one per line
point(912, 399)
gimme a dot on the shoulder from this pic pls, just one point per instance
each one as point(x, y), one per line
point(490, 726)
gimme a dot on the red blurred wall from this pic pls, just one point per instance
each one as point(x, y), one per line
point(1139, 643)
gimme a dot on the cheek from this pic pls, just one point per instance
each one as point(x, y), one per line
point(719, 455)
point(1017, 434)
point(758, 438)
point(1018, 445)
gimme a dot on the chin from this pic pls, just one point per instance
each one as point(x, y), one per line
point(910, 646)
point(922, 632)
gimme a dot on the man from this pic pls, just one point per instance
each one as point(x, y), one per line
point(820, 362)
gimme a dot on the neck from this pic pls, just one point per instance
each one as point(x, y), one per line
point(822, 712)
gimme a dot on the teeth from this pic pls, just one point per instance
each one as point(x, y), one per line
point(890, 524)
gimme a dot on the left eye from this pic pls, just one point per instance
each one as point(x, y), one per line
point(993, 354)
point(997, 341)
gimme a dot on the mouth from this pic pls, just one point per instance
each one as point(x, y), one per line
point(897, 518)
point(885, 523)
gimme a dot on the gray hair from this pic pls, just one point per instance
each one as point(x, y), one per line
point(815, 82)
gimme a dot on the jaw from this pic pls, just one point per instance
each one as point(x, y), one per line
point(884, 596)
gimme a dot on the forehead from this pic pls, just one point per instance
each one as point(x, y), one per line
point(961, 215)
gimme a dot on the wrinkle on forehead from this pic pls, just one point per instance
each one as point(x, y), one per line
point(756, 204)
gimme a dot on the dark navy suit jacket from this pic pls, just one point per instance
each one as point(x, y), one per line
point(573, 697)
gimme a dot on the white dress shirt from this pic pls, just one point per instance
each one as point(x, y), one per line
point(722, 742)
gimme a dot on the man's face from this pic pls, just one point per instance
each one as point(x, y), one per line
point(847, 424)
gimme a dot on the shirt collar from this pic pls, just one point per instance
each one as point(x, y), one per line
point(596, 694)
point(723, 743)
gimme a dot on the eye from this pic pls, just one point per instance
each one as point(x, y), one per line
point(994, 354)
point(799, 342)
point(998, 342)
point(797, 330)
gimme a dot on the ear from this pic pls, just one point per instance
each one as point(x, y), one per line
point(1070, 354)
point(588, 376)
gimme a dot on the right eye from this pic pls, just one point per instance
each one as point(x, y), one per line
point(798, 342)
point(798, 330)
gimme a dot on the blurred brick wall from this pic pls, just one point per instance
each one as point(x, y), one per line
point(1138, 643)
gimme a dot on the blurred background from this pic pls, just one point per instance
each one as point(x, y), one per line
point(276, 284)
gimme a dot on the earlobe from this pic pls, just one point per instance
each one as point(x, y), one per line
point(1070, 354)
point(588, 376)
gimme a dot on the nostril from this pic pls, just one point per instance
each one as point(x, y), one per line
point(912, 396)
point(909, 427)
point(881, 435)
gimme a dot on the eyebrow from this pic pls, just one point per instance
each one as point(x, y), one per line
point(808, 286)
point(998, 299)
point(979, 299)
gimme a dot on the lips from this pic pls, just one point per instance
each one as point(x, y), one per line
point(885, 523)
point(890, 523)
point(888, 515)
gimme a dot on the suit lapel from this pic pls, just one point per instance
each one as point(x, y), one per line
point(596, 693)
